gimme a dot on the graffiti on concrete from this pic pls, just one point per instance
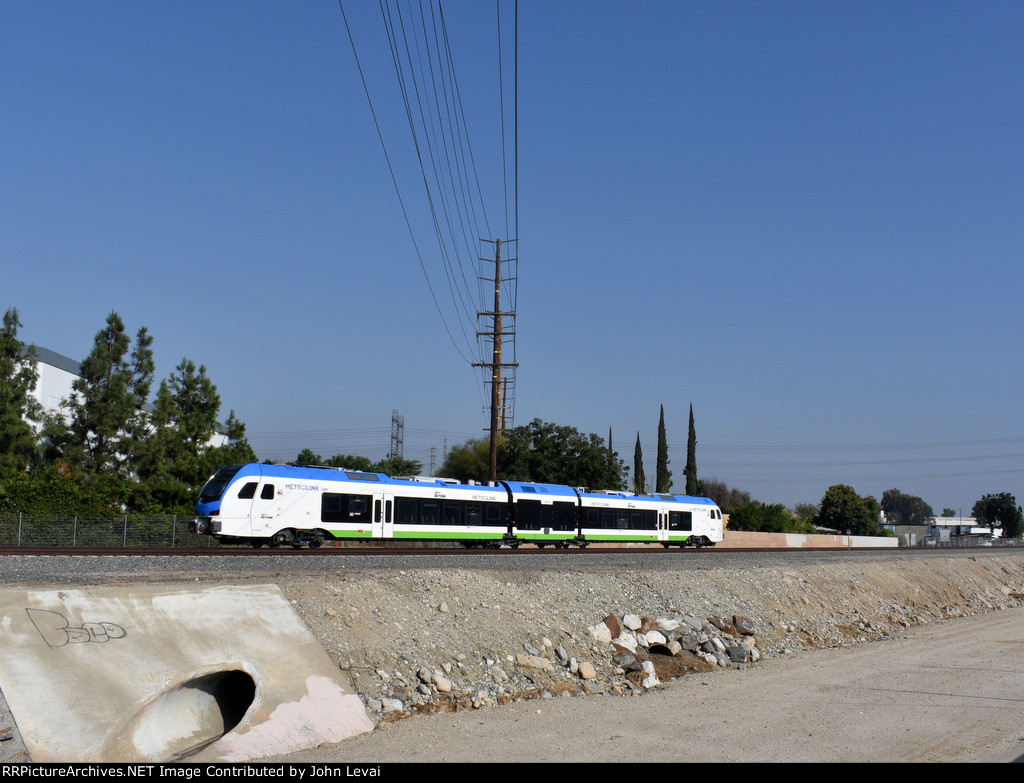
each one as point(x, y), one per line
point(58, 632)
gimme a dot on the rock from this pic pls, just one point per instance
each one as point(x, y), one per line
point(655, 637)
point(600, 633)
point(534, 662)
point(743, 625)
point(693, 622)
point(614, 627)
point(632, 622)
point(627, 641)
point(648, 624)
point(737, 654)
point(587, 671)
point(668, 625)
point(443, 684)
point(723, 625)
point(562, 655)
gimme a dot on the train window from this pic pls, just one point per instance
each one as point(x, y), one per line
point(406, 511)
point(248, 492)
point(452, 512)
point(359, 507)
point(267, 493)
point(474, 514)
point(622, 520)
point(335, 507)
point(680, 520)
point(607, 519)
point(428, 512)
point(495, 514)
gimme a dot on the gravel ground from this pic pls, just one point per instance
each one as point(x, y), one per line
point(436, 653)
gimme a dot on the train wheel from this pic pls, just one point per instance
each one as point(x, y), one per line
point(315, 544)
point(280, 538)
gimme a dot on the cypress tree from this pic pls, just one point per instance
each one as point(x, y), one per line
point(639, 480)
point(663, 478)
point(692, 487)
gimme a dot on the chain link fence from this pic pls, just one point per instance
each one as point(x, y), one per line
point(127, 530)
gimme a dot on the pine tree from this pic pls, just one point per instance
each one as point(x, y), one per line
point(639, 480)
point(173, 463)
point(663, 478)
point(692, 486)
point(107, 425)
point(19, 445)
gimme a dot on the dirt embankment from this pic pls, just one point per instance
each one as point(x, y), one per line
point(439, 640)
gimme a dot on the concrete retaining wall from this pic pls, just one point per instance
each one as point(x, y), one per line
point(741, 539)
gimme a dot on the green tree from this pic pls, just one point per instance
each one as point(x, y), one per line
point(901, 509)
point(177, 458)
point(690, 471)
point(662, 478)
point(805, 512)
point(108, 424)
point(842, 509)
point(19, 443)
point(1000, 511)
point(352, 462)
point(726, 498)
point(774, 518)
point(552, 454)
point(399, 466)
point(307, 459)
point(639, 479)
point(470, 461)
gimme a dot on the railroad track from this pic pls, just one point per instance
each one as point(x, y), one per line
point(407, 551)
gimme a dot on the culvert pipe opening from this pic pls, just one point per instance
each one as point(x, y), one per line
point(186, 718)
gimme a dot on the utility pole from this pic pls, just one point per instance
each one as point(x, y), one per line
point(495, 365)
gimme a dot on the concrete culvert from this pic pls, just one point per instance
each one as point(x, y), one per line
point(188, 717)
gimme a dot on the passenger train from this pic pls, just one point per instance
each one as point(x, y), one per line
point(279, 505)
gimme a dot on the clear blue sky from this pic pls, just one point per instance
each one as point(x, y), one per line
point(804, 218)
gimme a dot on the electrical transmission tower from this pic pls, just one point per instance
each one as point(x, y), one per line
point(397, 435)
point(496, 335)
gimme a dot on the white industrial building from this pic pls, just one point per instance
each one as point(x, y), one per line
point(57, 373)
point(947, 530)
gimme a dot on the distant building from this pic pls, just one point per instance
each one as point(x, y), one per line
point(57, 373)
point(960, 530)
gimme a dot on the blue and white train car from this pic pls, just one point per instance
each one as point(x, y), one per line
point(282, 505)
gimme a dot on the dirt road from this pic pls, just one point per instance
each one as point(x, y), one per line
point(950, 691)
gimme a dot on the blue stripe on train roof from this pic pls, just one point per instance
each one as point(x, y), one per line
point(348, 474)
point(529, 488)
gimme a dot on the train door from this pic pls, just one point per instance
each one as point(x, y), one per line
point(384, 516)
point(662, 525)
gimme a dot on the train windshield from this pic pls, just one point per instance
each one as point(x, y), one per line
point(215, 486)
